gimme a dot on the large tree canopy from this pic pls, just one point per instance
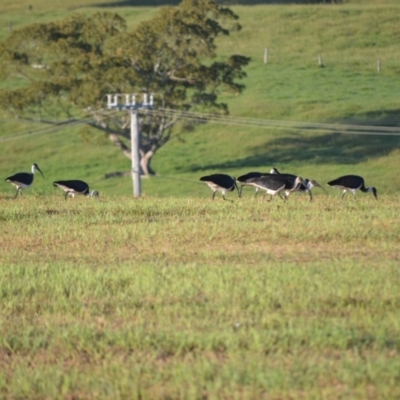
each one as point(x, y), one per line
point(65, 69)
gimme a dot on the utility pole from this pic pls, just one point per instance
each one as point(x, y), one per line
point(116, 101)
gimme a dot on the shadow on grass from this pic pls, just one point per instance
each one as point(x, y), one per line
point(157, 3)
point(328, 148)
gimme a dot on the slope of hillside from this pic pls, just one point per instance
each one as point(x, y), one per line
point(350, 39)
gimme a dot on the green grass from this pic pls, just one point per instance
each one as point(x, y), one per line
point(19, 14)
point(350, 38)
point(169, 298)
point(175, 296)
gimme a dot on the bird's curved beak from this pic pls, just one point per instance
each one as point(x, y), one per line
point(40, 171)
point(316, 184)
point(237, 188)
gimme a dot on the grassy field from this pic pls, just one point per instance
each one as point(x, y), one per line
point(194, 299)
point(175, 296)
point(350, 38)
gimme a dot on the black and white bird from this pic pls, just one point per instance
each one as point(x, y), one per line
point(352, 183)
point(74, 187)
point(23, 180)
point(302, 187)
point(274, 184)
point(220, 182)
point(244, 180)
point(291, 178)
point(306, 187)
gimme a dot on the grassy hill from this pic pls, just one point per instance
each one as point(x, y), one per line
point(350, 38)
point(168, 297)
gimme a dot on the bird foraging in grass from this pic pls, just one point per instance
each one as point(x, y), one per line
point(274, 184)
point(245, 179)
point(302, 187)
point(74, 187)
point(352, 183)
point(23, 180)
point(220, 182)
point(306, 187)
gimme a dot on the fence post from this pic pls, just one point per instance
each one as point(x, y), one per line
point(266, 53)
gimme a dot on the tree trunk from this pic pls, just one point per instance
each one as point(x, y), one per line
point(145, 156)
point(145, 160)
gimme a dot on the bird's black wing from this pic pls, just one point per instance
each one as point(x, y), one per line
point(21, 177)
point(75, 185)
point(348, 181)
point(269, 181)
point(221, 180)
point(244, 178)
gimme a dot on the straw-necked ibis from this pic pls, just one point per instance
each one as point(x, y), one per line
point(23, 180)
point(274, 184)
point(220, 182)
point(245, 180)
point(352, 183)
point(74, 187)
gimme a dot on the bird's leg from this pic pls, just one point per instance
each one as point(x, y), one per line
point(263, 197)
point(255, 193)
point(271, 198)
point(240, 191)
point(344, 192)
point(213, 195)
point(311, 198)
point(66, 195)
point(16, 194)
point(284, 197)
point(223, 194)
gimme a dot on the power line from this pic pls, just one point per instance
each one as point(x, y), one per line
point(49, 129)
point(262, 123)
point(228, 120)
point(56, 126)
point(24, 131)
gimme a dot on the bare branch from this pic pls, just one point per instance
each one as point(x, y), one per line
point(126, 151)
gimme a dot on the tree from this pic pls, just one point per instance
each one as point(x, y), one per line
point(67, 67)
